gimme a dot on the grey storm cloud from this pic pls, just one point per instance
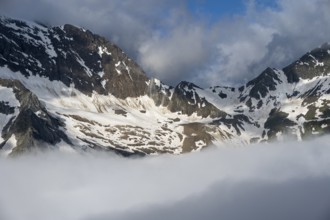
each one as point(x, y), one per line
point(173, 44)
point(267, 181)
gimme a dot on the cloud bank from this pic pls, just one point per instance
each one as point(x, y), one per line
point(283, 181)
point(173, 43)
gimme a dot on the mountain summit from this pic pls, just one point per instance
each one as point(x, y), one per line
point(66, 88)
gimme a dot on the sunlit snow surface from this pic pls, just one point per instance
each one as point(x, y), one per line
point(282, 181)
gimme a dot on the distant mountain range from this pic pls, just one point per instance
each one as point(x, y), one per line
point(66, 88)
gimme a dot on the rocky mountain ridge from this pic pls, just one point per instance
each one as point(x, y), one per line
point(66, 88)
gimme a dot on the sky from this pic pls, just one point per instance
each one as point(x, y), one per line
point(214, 10)
point(289, 180)
point(203, 41)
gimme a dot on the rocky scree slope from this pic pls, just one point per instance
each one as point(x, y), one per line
point(66, 88)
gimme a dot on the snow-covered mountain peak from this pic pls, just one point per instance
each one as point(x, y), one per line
point(66, 88)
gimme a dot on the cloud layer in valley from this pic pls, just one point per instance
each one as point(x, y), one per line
point(282, 181)
point(174, 43)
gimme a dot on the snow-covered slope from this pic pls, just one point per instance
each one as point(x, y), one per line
point(68, 89)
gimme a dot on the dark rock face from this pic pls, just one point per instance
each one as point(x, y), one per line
point(316, 128)
point(185, 99)
point(264, 83)
point(312, 64)
point(259, 88)
point(33, 122)
point(159, 92)
point(195, 132)
point(278, 122)
point(6, 109)
point(29, 128)
point(237, 122)
point(70, 55)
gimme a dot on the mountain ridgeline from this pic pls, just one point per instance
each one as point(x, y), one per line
point(65, 88)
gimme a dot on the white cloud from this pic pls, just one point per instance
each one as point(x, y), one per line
point(243, 46)
point(176, 55)
point(288, 179)
point(272, 37)
point(173, 44)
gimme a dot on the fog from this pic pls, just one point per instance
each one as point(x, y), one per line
point(268, 181)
